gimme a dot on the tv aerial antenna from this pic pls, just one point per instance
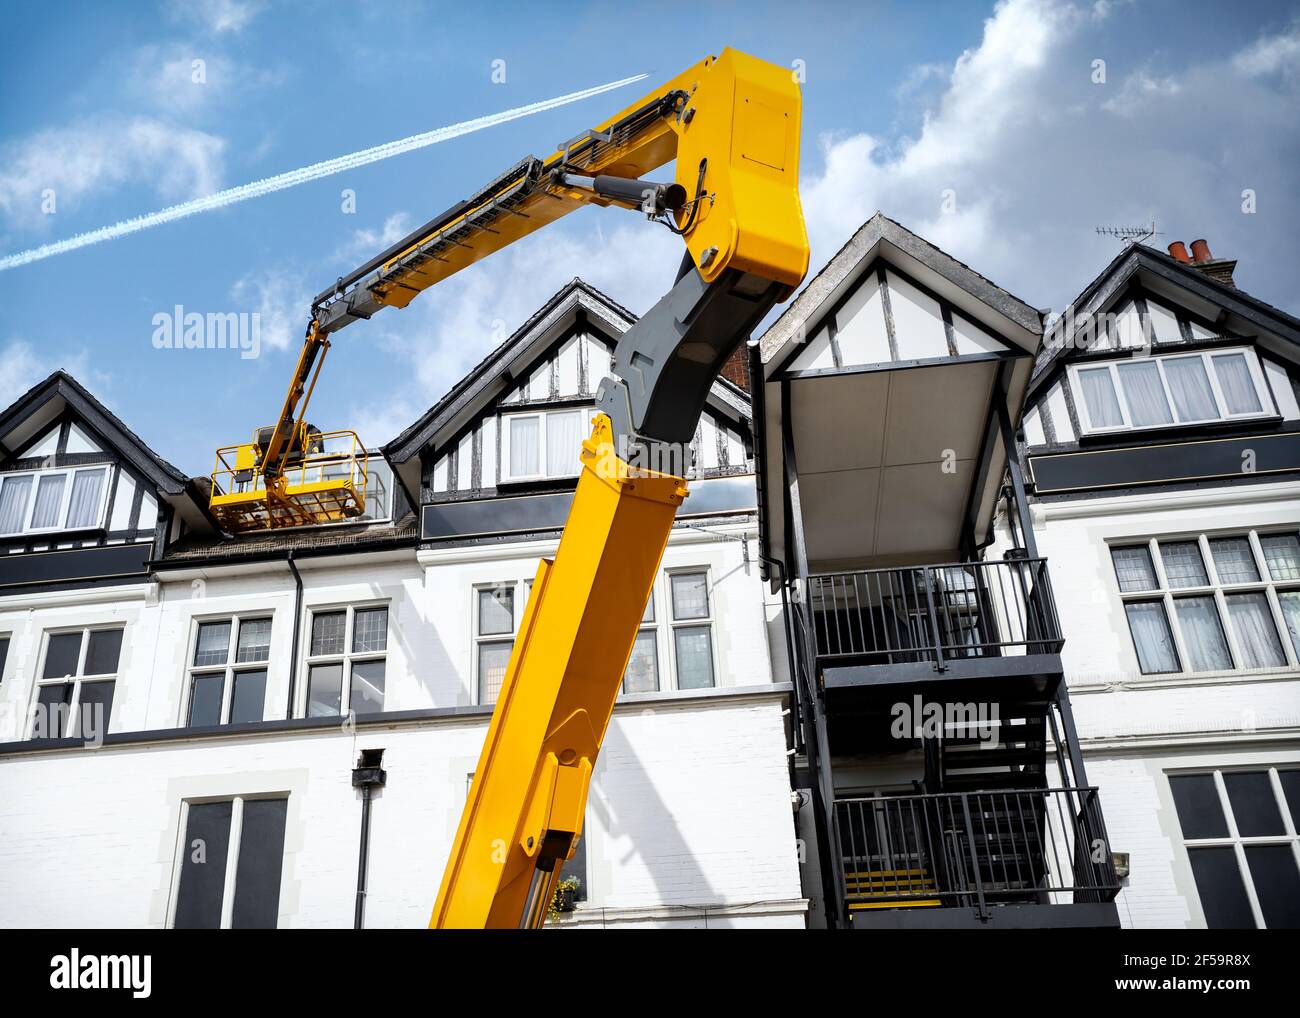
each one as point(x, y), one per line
point(1130, 234)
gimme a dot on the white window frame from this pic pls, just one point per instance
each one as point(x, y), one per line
point(74, 704)
point(65, 499)
point(1265, 397)
point(231, 666)
point(1215, 589)
point(348, 657)
point(233, 845)
point(1237, 841)
point(523, 590)
point(542, 416)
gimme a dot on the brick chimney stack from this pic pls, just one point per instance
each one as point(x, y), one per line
point(735, 369)
point(1218, 269)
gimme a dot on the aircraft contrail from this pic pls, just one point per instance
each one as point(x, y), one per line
point(294, 177)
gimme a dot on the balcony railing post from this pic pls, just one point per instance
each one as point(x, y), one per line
point(936, 639)
point(981, 910)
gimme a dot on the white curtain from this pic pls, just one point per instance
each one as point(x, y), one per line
point(1290, 601)
point(49, 497)
point(1203, 636)
point(1253, 624)
point(1234, 560)
point(83, 509)
point(524, 433)
point(1183, 565)
point(563, 443)
point(1099, 396)
point(1190, 386)
point(14, 493)
point(1147, 405)
point(1134, 569)
point(1237, 385)
point(1151, 637)
point(1282, 553)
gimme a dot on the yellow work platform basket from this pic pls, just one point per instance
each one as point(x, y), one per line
point(322, 481)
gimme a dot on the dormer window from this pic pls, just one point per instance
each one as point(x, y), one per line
point(543, 444)
point(52, 500)
point(1170, 390)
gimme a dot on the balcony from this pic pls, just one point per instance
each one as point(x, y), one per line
point(1016, 859)
point(966, 619)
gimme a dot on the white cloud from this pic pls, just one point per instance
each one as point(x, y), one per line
point(1272, 54)
point(218, 15)
point(1137, 93)
point(282, 299)
point(87, 158)
point(365, 243)
point(23, 366)
point(187, 77)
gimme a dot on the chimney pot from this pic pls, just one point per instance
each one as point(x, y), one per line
point(1201, 251)
point(1178, 250)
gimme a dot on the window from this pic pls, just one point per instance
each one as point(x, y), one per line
point(692, 630)
point(543, 444)
point(74, 694)
point(4, 654)
point(642, 675)
point(230, 864)
point(1171, 389)
point(347, 661)
point(51, 500)
point(497, 610)
point(227, 674)
point(1205, 604)
point(1239, 828)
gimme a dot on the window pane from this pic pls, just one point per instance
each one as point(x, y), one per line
point(1151, 637)
point(103, 653)
point(1184, 566)
point(1254, 806)
point(83, 508)
point(1223, 895)
point(254, 640)
point(370, 631)
point(694, 657)
point(1233, 560)
point(1236, 383)
point(1290, 602)
point(1253, 623)
point(367, 687)
point(327, 632)
point(642, 675)
point(1190, 386)
point(1200, 812)
point(213, 644)
point(261, 858)
point(248, 698)
point(577, 866)
point(649, 614)
point(564, 442)
point(1145, 394)
point(492, 661)
point(524, 439)
point(1277, 884)
point(96, 708)
point(496, 611)
point(1100, 399)
point(61, 656)
point(14, 492)
point(4, 654)
point(325, 691)
point(205, 700)
point(1207, 647)
point(51, 717)
point(1133, 568)
point(203, 866)
point(49, 499)
point(1281, 555)
point(1291, 789)
point(690, 596)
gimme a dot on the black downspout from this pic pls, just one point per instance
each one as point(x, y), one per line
point(367, 776)
point(297, 627)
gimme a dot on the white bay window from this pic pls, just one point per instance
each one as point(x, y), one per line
point(543, 444)
point(52, 500)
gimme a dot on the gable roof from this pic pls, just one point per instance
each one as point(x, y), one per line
point(23, 419)
point(501, 368)
point(1125, 266)
point(854, 255)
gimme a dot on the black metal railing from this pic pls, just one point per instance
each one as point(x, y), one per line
point(935, 613)
point(975, 849)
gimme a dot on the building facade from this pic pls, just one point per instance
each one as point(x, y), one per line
point(184, 710)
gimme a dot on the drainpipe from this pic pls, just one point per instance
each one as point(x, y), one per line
point(297, 626)
point(367, 776)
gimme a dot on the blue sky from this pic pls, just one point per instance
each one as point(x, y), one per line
point(994, 108)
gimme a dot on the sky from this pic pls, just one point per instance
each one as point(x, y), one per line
point(1004, 133)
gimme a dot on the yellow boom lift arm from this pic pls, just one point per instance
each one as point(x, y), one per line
point(732, 123)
